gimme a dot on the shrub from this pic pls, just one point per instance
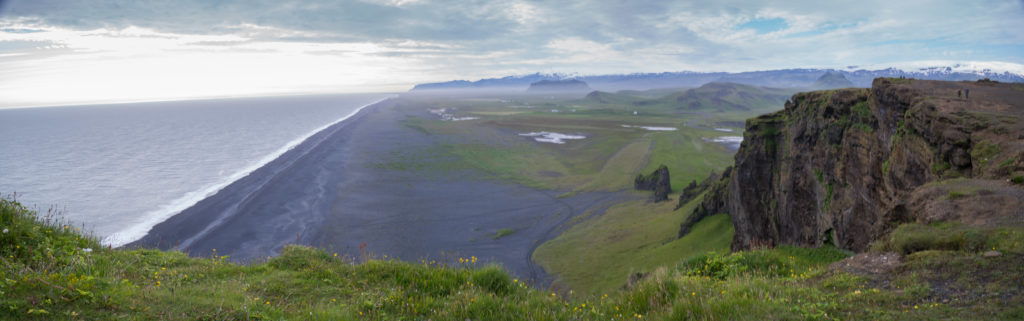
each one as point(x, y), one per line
point(493, 279)
point(910, 238)
point(721, 267)
point(503, 233)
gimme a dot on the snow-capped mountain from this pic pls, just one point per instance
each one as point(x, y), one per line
point(860, 76)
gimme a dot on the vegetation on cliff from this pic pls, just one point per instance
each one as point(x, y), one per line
point(844, 166)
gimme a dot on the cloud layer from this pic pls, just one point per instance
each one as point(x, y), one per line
point(95, 50)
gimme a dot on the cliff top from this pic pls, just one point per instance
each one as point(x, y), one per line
point(948, 96)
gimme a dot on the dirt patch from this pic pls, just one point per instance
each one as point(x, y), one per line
point(973, 202)
point(869, 264)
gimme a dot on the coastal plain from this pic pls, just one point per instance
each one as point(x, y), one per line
point(439, 178)
point(544, 186)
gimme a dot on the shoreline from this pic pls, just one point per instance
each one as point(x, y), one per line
point(178, 230)
point(155, 217)
point(334, 192)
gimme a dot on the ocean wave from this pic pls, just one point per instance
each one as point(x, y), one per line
point(166, 211)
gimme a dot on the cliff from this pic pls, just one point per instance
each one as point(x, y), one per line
point(658, 181)
point(845, 166)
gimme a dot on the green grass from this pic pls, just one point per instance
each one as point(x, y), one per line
point(984, 152)
point(503, 233)
point(47, 273)
point(606, 160)
point(947, 236)
point(618, 172)
point(598, 255)
point(687, 156)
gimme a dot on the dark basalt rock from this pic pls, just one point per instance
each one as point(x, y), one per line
point(847, 165)
point(714, 201)
point(658, 181)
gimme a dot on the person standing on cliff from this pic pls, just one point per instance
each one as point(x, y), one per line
point(967, 94)
point(957, 94)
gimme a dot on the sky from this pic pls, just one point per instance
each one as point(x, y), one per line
point(59, 52)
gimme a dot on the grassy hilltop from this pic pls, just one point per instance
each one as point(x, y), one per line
point(50, 271)
point(623, 263)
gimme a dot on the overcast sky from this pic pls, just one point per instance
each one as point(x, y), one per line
point(64, 52)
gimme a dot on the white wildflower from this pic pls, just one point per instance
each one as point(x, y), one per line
point(87, 250)
point(5, 231)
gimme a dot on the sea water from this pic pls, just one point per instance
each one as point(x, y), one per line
point(120, 169)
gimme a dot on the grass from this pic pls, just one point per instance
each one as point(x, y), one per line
point(606, 160)
point(50, 271)
point(503, 233)
point(687, 156)
point(598, 255)
point(983, 152)
point(947, 236)
point(617, 173)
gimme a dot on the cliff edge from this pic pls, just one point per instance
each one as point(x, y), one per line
point(845, 166)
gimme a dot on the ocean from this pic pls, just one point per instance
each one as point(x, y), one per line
point(119, 169)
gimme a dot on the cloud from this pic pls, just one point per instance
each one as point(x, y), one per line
point(436, 40)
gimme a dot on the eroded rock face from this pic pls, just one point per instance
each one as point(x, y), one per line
point(714, 201)
point(658, 181)
point(844, 164)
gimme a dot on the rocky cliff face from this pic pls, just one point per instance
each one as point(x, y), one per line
point(658, 181)
point(844, 166)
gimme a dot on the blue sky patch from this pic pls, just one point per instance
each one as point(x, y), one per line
point(765, 25)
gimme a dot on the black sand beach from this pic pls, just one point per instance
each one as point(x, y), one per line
point(329, 192)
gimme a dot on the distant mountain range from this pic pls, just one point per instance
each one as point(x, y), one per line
point(783, 78)
point(714, 96)
point(831, 80)
point(565, 85)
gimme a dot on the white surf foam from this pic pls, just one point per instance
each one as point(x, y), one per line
point(166, 211)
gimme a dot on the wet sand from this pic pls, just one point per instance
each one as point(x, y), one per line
point(330, 192)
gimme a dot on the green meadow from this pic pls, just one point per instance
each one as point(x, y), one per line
point(51, 271)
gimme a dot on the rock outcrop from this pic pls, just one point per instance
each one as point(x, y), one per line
point(693, 190)
point(658, 181)
point(714, 201)
point(845, 166)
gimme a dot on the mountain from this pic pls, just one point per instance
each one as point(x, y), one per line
point(514, 82)
point(832, 80)
point(721, 96)
point(563, 86)
point(845, 166)
point(782, 78)
point(711, 97)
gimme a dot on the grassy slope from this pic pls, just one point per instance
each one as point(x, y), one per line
point(632, 237)
point(598, 255)
point(687, 156)
point(47, 273)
